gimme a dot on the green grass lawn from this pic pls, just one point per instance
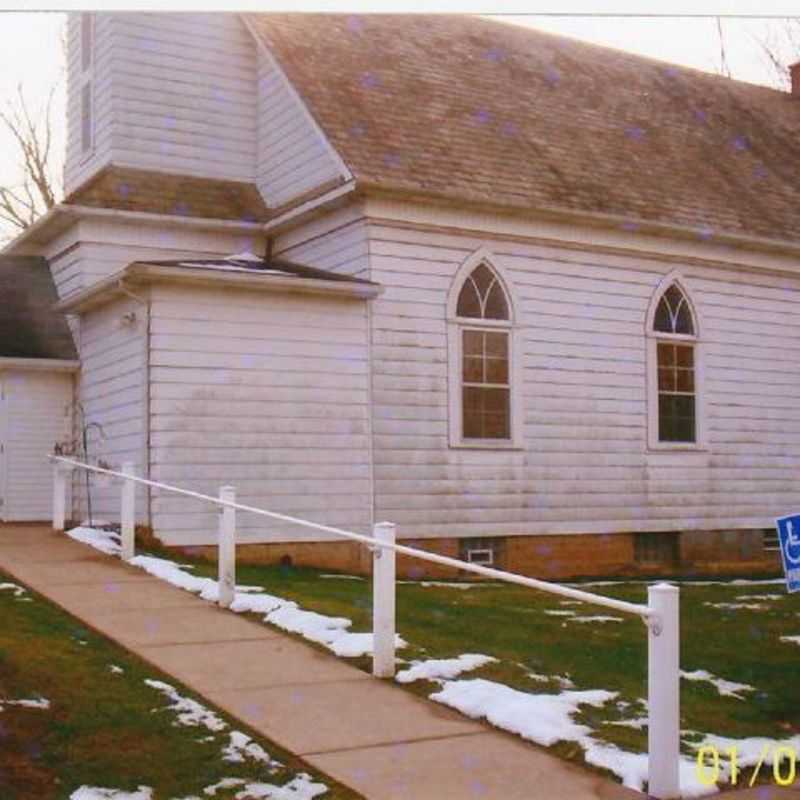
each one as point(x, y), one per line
point(105, 727)
point(511, 624)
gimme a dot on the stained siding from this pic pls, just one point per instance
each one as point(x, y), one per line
point(266, 392)
point(94, 249)
point(112, 393)
point(38, 415)
point(337, 241)
point(293, 155)
point(584, 466)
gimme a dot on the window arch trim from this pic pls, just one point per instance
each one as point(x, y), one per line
point(673, 278)
point(480, 256)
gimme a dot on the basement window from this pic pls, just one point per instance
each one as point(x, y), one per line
point(771, 541)
point(483, 552)
point(656, 548)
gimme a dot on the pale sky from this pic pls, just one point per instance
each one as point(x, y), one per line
point(31, 49)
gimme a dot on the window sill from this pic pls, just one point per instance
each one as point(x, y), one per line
point(485, 444)
point(677, 448)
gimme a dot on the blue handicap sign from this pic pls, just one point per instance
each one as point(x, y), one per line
point(789, 537)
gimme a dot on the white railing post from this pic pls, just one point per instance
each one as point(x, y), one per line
point(663, 688)
point(227, 548)
point(128, 514)
point(383, 601)
point(59, 497)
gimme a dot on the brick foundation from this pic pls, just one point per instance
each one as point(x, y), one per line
point(557, 557)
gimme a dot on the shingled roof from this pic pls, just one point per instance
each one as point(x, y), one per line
point(29, 328)
point(491, 113)
point(131, 189)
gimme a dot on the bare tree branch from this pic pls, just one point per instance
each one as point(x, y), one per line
point(781, 48)
point(724, 67)
point(32, 133)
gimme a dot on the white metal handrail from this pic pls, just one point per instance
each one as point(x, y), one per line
point(660, 615)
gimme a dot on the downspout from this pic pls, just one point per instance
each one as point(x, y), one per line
point(145, 447)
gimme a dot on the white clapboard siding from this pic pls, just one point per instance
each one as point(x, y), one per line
point(337, 242)
point(184, 94)
point(98, 248)
point(36, 414)
point(584, 464)
point(294, 157)
point(266, 392)
point(112, 393)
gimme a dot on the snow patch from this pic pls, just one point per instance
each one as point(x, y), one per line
point(737, 606)
point(343, 577)
point(189, 712)
point(760, 597)
point(553, 612)
point(105, 541)
point(95, 793)
point(725, 688)
point(40, 702)
point(436, 669)
point(18, 590)
point(547, 719)
point(241, 747)
point(791, 639)
point(115, 669)
point(597, 618)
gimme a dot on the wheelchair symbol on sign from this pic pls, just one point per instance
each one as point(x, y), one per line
point(791, 547)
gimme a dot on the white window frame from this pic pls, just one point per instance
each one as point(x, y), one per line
point(455, 345)
point(652, 339)
point(87, 72)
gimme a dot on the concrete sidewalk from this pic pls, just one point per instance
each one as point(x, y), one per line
point(370, 735)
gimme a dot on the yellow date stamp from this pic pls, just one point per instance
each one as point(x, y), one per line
point(714, 765)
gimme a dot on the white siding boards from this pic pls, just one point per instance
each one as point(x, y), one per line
point(294, 157)
point(585, 465)
point(266, 392)
point(35, 413)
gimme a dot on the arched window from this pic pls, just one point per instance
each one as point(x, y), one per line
point(484, 328)
point(674, 330)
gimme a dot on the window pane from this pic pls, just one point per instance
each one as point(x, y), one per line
point(86, 40)
point(468, 303)
point(663, 321)
point(684, 356)
point(483, 278)
point(473, 343)
point(486, 413)
point(497, 344)
point(676, 418)
point(473, 370)
point(683, 322)
point(496, 306)
point(685, 380)
point(496, 370)
point(666, 355)
point(666, 380)
point(86, 117)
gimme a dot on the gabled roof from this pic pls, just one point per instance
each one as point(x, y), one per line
point(29, 327)
point(486, 112)
point(129, 189)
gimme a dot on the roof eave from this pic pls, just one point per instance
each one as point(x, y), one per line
point(142, 273)
point(586, 218)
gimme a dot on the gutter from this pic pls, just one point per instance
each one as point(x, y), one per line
point(40, 364)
